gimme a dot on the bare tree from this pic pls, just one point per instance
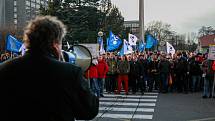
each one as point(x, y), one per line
point(159, 30)
point(206, 30)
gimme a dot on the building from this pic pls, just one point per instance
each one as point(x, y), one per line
point(133, 27)
point(14, 15)
point(205, 42)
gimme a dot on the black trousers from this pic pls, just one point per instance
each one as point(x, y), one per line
point(110, 83)
point(182, 83)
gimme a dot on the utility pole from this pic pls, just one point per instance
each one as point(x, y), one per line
point(141, 19)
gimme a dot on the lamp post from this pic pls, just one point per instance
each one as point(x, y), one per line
point(141, 19)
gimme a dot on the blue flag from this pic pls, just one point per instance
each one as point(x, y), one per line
point(141, 46)
point(150, 41)
point(124, 49)
point(113, 42)
point(100, 40)
point(13, 44)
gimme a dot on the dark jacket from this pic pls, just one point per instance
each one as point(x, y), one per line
point(112, 66)
point(164, 66)
point(143, 67)
point(153, 68)
point(123, 67)
point(181, 66)
point(195, 68)
point(40, 88)
point(134, 69)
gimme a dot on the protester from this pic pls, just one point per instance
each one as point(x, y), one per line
point(164, 69)
point(143, 68)
point(134, 74)
point(111, 74)
point(102, 68)
point(93, 76)
point(195, 73)
point(123, 67)
point(153, 73)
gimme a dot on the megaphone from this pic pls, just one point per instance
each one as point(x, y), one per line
point(78, 55)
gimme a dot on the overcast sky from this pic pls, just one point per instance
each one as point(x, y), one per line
point(184, 15)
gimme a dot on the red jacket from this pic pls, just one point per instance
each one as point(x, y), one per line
point(92, 72)
point(102, 68)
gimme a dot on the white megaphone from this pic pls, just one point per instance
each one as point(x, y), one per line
point(78, 55)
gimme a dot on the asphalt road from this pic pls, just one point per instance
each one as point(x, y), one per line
point(156, 107)
point(184, 107)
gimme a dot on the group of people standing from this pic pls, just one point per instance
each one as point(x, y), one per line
point(140, 72)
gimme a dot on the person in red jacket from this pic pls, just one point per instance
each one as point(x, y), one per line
point(92, 74)
point(102, 68)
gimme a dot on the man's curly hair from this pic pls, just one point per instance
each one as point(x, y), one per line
point(42, 32)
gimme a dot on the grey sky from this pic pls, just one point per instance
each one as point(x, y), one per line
point(184, 15)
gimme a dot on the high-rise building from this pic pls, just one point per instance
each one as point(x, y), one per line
point(133, 27)
point(14, 15)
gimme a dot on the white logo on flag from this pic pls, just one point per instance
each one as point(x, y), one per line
point(132, 39)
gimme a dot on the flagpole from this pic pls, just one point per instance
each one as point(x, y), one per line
point(141, 20)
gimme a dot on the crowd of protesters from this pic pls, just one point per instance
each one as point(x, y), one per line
point(146, 72)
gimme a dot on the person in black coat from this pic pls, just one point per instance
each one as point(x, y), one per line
point(39, 87)
point(134, 74)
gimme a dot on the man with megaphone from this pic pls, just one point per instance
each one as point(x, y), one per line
point(40, 87)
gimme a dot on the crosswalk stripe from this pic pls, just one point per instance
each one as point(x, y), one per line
point(125, 116)
point(137, 100)
point(127, 104)
point(131, 96)
point(127, 109)
point(118, 95)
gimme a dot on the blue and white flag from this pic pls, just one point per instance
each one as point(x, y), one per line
point(13, 44)
point(22, 49)
point(141, 46)
point(100, 40)
point(150, 41)
point(125, 49)
point(101, 49)
point(170, 48)
point(132, 39)
point(113, 42)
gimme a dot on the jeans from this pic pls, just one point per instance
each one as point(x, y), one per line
point(208, 85)
point(101, 82)
point(164, 80)
point(195, 83)
point(95, 87)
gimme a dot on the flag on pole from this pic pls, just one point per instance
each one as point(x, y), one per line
point(132, 39)
point(170, 48)
point(13, 44)
point(125, 49)
point(22, 49)
point(101, 50)
point(100, 40)
point(150, 41)
point(113, 42)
